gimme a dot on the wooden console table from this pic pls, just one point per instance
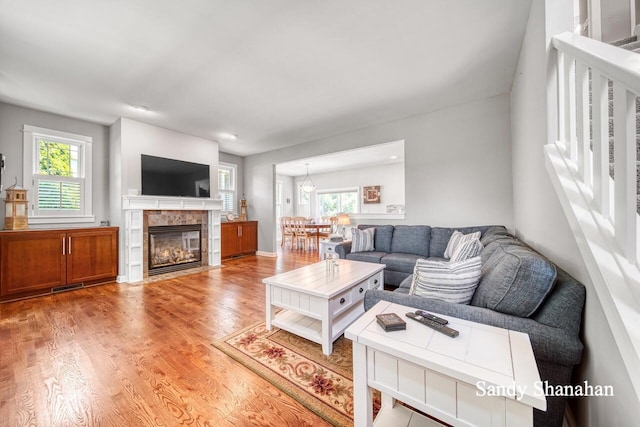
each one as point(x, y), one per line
point(35, 262)
point(440, 376)
point(238, 238)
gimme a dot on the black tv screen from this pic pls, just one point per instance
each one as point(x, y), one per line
point(168, 177)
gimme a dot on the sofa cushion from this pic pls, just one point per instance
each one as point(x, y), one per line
point(400, 262)
point(374, 256)
point(494, 244)
point(493, 233)
point(453, 282)
point(466, 250)
point(458, 238)
point(411, 239)
point(362, 240)
point(515, 280)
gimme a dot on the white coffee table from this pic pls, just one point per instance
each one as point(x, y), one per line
point(320, 304)
point(440, 376)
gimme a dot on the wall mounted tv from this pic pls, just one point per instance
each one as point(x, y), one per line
point(168, 177)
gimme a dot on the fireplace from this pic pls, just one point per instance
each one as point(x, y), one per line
point(174, 247)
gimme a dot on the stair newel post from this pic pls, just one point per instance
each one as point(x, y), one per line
point(583, 153)
point(625, 192)
point(600, 124)
point(570, 106)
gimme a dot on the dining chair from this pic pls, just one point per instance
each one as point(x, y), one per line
point(325, 233)
point(286, 225)
point(301, 232)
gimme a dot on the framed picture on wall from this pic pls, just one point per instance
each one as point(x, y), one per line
point(371, 194)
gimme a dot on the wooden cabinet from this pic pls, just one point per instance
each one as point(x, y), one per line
point(35, 262)
point(239, 238)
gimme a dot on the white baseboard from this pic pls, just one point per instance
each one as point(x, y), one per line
point(267, 254)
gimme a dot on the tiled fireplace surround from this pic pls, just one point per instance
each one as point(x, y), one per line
point(158, 218)
point(140, 212)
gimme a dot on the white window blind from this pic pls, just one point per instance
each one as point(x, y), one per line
point(227, 186)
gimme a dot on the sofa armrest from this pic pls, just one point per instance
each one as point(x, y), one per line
point(551, 344)
point(342, 249)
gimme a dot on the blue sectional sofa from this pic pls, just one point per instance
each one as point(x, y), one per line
point(399, 246)
point(519, 290)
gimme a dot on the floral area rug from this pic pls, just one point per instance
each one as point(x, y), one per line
point(323, 384)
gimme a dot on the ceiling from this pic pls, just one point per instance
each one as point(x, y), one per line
point(373, 155)
point(275, 73)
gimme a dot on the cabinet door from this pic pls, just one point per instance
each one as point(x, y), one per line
point(230, 240)
point(92, 255)
point(32, 261)
point(249, 237)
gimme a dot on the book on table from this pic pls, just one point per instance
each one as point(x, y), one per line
point(391, 322)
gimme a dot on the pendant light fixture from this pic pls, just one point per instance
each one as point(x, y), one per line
point(307, 185)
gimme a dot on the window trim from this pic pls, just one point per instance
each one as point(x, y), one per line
point(234, 180)
point(30, 136)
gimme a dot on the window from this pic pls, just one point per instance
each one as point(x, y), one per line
point(303, 197)
point(57, 173)
point(227, 186)
point(333, 202)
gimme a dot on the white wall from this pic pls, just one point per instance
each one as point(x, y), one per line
point(457, 166)
point(390, 178)
point(12, 118)
point(539, 219)
point(130, 139)
point(288, 208)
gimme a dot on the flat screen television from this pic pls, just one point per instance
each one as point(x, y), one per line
point(169, 177)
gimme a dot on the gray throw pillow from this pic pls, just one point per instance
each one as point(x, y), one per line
point(362, 240)
point(515, 280)
point(453, 282)
point(457, 238)
point(466, 250)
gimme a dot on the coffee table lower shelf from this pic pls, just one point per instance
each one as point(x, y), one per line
point(310, 328)
point(401, 416)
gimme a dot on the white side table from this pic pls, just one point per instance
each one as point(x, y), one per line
point(444, 377)
point(327, 247)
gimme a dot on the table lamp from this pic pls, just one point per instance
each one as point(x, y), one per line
point(343, 219)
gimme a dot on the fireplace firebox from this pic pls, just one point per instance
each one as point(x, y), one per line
point(174, 247)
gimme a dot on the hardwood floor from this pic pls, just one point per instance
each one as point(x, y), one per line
point(141, 355)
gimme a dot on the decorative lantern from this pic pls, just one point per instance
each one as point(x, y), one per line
point(15, 208)
point(243, 209)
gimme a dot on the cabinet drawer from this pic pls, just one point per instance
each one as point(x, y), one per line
point(357, 292)
point(341, 302)
point(376, 281)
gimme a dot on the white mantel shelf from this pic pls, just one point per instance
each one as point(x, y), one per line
point(133, 207)
point(170, 203)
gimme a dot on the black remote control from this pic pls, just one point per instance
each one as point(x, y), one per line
point(433, 317)
point(434, 325)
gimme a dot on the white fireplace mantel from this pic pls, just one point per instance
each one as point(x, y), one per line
point(131, 234)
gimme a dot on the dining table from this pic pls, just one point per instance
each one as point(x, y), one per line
point(314, 229)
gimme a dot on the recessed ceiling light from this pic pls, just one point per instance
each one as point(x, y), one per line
point(393, 157)
point(140, 108)
point(227, 135)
